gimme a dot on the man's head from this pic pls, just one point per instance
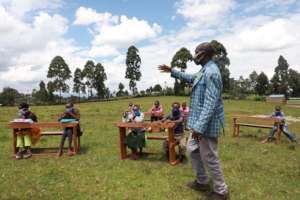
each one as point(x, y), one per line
point(203, 53)
point(277, 108)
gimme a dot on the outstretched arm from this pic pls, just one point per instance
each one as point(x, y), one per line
point(176, 74)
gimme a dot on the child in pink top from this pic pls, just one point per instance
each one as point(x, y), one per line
point(184, 109)
point(156, 111)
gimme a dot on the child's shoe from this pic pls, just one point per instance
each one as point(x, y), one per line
point(70, 152)
point(59, 153)
point(19, 155)
point(27, 154)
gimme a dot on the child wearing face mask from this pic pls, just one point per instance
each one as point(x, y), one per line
point(136, 138)
point(284, 127)
point(176, 116)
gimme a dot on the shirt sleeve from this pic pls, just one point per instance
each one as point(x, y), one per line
point(211, 96)
point(189, 78)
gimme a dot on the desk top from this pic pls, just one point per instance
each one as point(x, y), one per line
point(145, 124)
point(41, 124)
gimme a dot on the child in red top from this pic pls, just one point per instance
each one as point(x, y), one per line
point(156, 111)
point(184, 109)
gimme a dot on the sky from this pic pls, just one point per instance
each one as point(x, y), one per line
point(32, 32)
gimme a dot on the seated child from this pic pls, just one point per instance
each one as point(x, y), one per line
point(284, 127)
point(70, 113)
point(184, 109)
point(156, 111)
point(24, 135)
point(136, 138)
point(176, 117)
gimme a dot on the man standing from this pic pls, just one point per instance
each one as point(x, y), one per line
point(206, 118)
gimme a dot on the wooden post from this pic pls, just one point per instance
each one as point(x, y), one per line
point(15, 141)
point(234, 126)
point(75, 139)
point(238, 131)
point(122, 132)
point(172, 144)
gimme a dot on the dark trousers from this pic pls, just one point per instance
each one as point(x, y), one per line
point(68, 133)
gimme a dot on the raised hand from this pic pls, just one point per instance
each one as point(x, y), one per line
point(164, 68)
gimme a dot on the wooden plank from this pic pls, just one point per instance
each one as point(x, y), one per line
point(145, 124)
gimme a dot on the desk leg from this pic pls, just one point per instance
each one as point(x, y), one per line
point(234, 127)
point(14, 141)
point(238, 131)
point(172, 144)
point(122, 133)
point(75, 139)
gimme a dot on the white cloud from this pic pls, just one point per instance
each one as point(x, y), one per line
point(204, 12)
point(87, 16)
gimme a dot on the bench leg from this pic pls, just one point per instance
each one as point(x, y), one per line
point(122, 135)
point(14, 141)
point(75, 139)
point(234, 127)
point(238, 131)
point(172, 144)
point(278, 134)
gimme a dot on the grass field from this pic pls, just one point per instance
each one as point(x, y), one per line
point(253, 171)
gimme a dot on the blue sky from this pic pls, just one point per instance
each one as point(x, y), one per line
point(255, 33)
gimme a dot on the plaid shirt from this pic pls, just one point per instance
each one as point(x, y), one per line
point(206, 107)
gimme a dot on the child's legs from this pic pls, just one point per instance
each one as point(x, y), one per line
point(272, 132)
point(182, 144)
point(166, 146)
point(69, 135)
point(20, 141)
point(27, 141)
point(62, 141)
point(288, 134)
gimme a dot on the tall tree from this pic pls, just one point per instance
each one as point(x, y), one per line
point(223, 62)
point(9, 96)
point(133, 63)
point(294, 83)
point(157, 88)
point(88, 74)
point(79, 85)
point(280, 79)
point(262, 84)
point(42, 93)
point(59, 72)
point(98, 81)
point(179, 60)
point(253, 80)
point(121, 88)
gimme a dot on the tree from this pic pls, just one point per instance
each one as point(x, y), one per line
point(98, 81)
point(59, 72)
point(79, 85)
point(157, 88)
point(294, 82)
point(179, 60)
point(120, 92)
point(9, 96)
point(88, 74)
point(262, 85)
point(279, 81)
point(42, 93)
point(253, 80)
point(133, 63)
point(223, 62)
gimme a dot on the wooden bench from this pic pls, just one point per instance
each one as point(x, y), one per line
point(256, 122)
point(154, 125)
point(46, 125)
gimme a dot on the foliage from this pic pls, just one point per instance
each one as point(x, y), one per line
point(88, 74)
point(59, 72)
point(294, 83)
point(179, 60)
point(8, 96)
point(120, 92)
point(223, 62)
point(280, 79)
point(98, 81)
point(78, 84)
point(262, 84)
point(133, 63)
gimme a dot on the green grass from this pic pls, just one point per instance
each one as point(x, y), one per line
point(253, 171)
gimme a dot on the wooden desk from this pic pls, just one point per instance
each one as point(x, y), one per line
point(170, 126)
point(256, 122)
point(42, 125)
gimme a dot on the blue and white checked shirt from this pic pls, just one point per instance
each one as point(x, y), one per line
point(206, 107)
